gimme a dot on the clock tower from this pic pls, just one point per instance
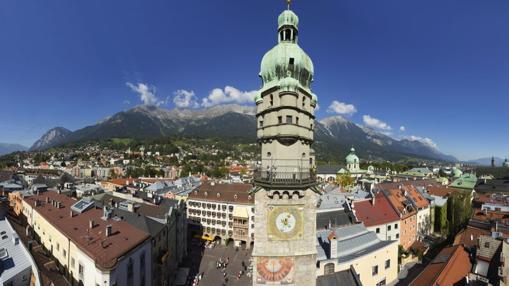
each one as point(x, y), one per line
point(285, 187)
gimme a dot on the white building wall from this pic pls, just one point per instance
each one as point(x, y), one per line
point(388, 231)
point(364, 264)
point(74, 256)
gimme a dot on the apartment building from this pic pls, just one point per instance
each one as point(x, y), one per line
point(223, 211)
point(89, 246)
point(406, 212)
point(355, 247)
point(378, 216)
point(166, 223)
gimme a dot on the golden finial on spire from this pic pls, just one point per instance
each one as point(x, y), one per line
point(288, 2)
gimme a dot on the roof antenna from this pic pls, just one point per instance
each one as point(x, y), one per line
point(288, 2)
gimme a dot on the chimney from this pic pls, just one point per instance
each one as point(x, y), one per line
point(108, 230)
point(91, 223)
point(333, 245)
point(15, 239)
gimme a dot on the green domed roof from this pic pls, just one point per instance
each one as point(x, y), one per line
point(352, 158)
point(258, 97)
point(289, 84)
point(288, 17)
point(314, 99)
point(285, 58)
point(456, 172)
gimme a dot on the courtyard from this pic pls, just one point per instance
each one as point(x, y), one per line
point(203, 260)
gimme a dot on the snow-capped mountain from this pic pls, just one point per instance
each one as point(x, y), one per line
point(334, 135)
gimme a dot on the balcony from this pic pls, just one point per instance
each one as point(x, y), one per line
point(284, 177)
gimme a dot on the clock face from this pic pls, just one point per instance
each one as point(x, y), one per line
point(285, 222)
point(275, 270)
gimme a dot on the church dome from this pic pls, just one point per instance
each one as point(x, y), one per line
point(289, 84)
point(288, 18)
point(287, 58)
point(457, 172)
point(352, 158)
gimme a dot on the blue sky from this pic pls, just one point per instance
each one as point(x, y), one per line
point(438, 68)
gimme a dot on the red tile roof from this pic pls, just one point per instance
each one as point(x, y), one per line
point(104, 250)
point(441, 191)
point(417, 197)
point(398, 200)
point(232, 193)
point(375, 214)
point(449, 267)
point(468, 236)
point(122, 182)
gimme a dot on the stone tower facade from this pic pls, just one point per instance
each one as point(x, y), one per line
point(285, 194)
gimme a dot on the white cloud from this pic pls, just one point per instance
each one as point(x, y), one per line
point(375, 123)
point(424, 140)
point(402, 128)
point(228, 95)
point(317, 107)
point(341, 108)
point(146, 93)
point(126, 102)
point(185, 99)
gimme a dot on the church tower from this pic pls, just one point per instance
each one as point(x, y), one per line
point(285, 186)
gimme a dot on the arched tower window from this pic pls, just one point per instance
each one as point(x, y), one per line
point(288, 34)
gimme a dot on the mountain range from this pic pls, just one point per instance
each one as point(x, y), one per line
point(334, 136)
point(486, 161)
point(6, 148)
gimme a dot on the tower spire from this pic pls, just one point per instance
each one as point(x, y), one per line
point(288, 2)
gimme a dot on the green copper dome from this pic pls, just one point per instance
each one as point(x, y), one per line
point(258, 97)
point(314, 99)
point(352, 158)
point(456, 172)
point(287, 58)
point(288, 18)
point(289, 84)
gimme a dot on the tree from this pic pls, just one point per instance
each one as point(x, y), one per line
point(459, 212)
point(441, 222)
point(344, 180)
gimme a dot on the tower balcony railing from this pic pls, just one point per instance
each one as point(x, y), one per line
point(280, 174)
